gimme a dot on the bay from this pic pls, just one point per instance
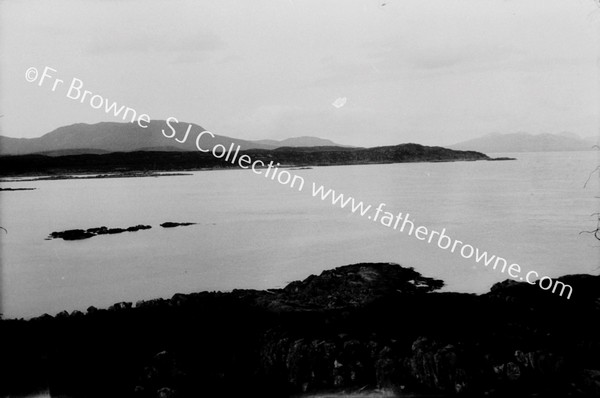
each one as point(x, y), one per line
point(253, 232)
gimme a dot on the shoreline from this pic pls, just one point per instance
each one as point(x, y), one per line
point(86, 176)
point(29, 177)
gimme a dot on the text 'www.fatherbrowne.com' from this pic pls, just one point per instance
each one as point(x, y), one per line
point(403, 223)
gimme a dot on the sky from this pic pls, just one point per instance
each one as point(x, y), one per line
point(435, 72)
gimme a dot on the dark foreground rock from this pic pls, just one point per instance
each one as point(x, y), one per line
point(78, 234)
point(357, 327)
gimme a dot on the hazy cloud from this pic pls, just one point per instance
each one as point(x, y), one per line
point(436, 71)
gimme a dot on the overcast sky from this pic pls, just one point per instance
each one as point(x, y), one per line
point(426, 71)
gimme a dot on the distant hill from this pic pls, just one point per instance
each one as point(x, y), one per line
point(304, 141)
point(524, 142)
point(128, 137)
point(115, 137)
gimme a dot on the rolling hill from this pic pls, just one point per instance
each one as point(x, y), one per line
point(107, 137)
point(113, 137)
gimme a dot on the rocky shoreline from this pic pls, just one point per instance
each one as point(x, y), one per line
point(355, 328)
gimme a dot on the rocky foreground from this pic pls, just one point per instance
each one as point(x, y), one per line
point(353, 328)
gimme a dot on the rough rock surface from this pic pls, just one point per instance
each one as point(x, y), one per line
point(353, 328)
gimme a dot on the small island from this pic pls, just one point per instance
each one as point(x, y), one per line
point(170, 224)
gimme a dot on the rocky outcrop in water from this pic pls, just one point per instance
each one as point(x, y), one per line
point(78, 234)
point(176, 224)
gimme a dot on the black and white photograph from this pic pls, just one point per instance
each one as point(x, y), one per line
point(299, 198)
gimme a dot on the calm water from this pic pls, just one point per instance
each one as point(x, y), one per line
point(255, 233)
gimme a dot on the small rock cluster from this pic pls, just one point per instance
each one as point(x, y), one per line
point(78, 234)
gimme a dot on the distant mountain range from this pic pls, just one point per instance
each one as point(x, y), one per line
point(524, 142)
point(108, 137)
